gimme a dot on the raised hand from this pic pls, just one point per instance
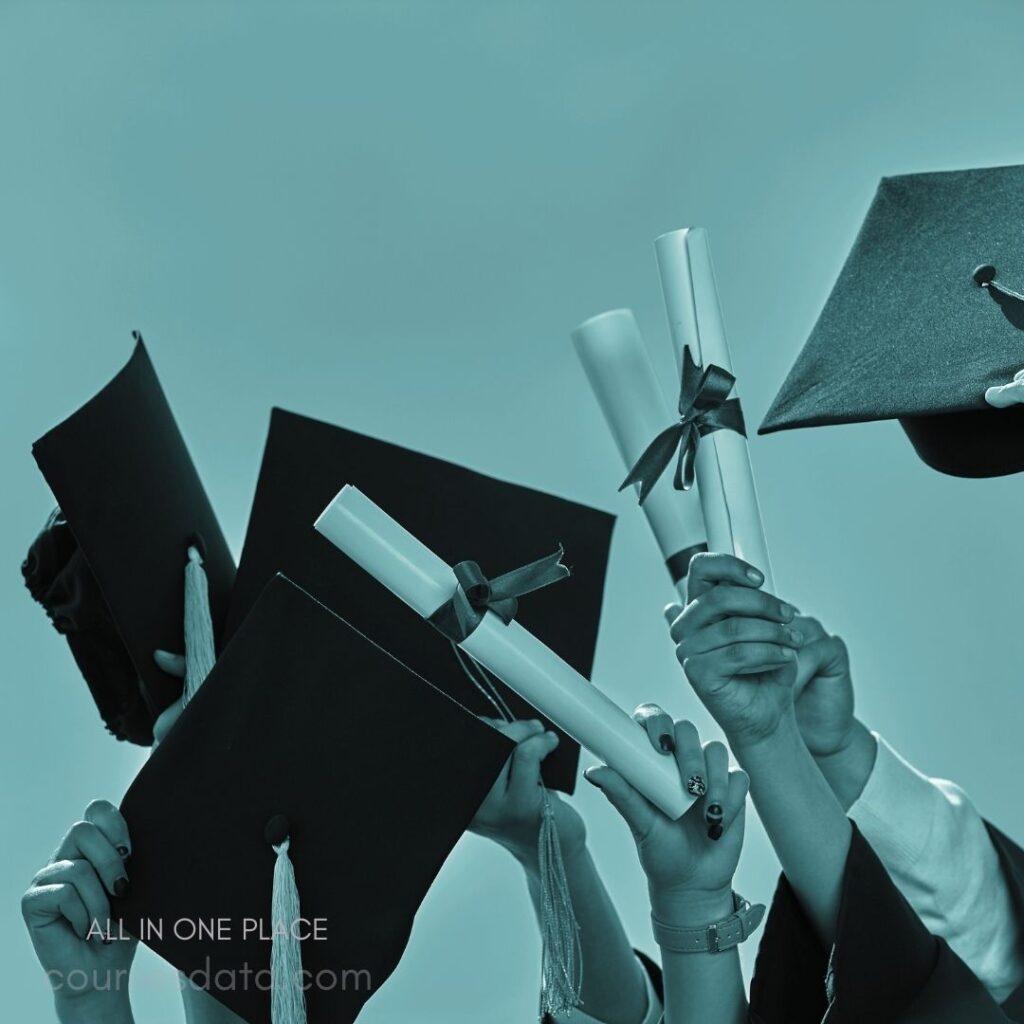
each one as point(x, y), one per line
point(696, 856)
point(67, 912)
point(511, 811)
point(738, 647)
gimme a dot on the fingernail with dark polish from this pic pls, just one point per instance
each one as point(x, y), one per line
point(124, 852)
point(121, 887)
point(714, 812)
point(715, 832)
point(667, 743)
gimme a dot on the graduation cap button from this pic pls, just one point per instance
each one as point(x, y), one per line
point(277, 830)
point(984, 274)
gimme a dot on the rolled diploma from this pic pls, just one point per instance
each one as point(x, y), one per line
point(725, 479)
point(414, 574)
point(620, 373)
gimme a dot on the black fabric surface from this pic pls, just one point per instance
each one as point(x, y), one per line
point(377, 772)
point(459, 514)
point(133, 500)
point(907, 333)
point(57, 576)
point(887, 966)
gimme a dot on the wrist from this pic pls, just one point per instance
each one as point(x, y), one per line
point(691, 908)
point(854, 740)
point(528, 855)
point(749, 747)
point(848, 768)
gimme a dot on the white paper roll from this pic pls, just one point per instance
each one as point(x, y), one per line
point(725, 479)
point(414, 574)
point(619, 370)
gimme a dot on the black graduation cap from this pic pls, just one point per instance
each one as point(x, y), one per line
point(459, 514)
point(925, 321)
point(109, 566)
point(304, 731)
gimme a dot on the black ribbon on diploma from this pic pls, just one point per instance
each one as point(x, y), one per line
point(704, 407)
point(476, 595)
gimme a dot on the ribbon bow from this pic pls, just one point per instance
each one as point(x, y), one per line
point(704, 407)
point(476, 595)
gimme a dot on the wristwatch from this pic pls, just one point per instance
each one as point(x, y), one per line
point(712, 938)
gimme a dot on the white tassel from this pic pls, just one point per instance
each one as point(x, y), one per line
point(561, 954)
point(200, 652)
point(287, 999)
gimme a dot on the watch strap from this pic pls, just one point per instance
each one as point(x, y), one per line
point(712, 938)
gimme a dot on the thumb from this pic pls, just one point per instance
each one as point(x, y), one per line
point(672, 612)
point(638, 814)
point(524, 767)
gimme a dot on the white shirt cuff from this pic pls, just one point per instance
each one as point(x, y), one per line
point(939, 855)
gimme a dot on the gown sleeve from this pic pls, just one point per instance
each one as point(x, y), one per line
point(939, 854)
point(885, 966)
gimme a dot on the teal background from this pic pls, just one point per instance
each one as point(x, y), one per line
point(390, 215)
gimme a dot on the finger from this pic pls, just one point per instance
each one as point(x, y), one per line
point(524, 771)
point(707, 671)
point(672, 612)
point(85, 841)
point(725, 600)
point(43, 904)
point(110, 821)
point(80, 875)
point(735, 797)
point(172, 664)
point(710, 568)
point(658, 726)
point(637, 812)
point(517, 731)
point(740, 629)
point(166, 720)
point(830, 655)
point(716, 757)
point(690, 758)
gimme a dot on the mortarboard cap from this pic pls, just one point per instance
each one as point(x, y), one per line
point(460, 515)
point(925, 319)
point(110, 566)
point(306, 728)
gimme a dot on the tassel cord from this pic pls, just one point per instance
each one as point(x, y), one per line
point(287, 998)
point(561, 951)
point(200, 652)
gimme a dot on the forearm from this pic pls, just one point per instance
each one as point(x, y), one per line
point(700, 988)
point(614, 990)
point(94, 1011)
point(848, 769)
point(804, 821)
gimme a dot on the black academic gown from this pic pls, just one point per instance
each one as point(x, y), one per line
point(885, 967)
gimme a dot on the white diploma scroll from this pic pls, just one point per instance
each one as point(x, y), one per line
point(414, 574)
point(619, 370)
point(725, 480)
